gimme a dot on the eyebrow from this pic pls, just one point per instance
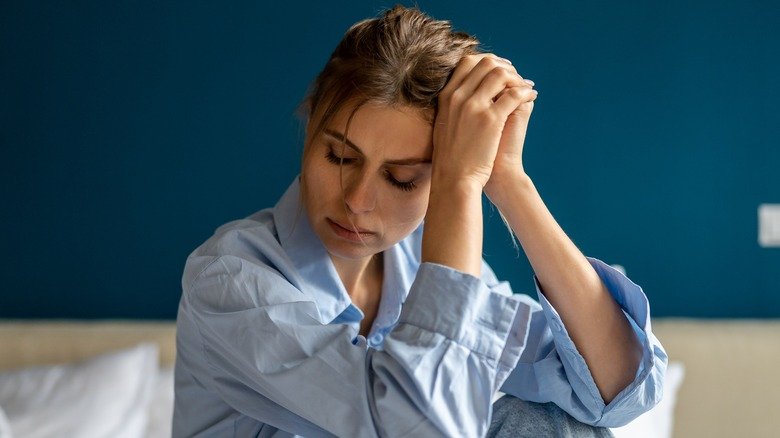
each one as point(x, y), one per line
point(402, 162)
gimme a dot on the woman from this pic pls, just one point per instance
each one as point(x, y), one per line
point(337, 313)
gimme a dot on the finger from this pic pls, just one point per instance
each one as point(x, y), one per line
point(495, 82)
point(512, 98)
point(489, 70)
point(507, 63)
point(527, 81)
point(473, 77)
point(463, 68)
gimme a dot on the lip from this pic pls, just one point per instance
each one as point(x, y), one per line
point(347, 233)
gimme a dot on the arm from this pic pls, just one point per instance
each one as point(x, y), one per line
point(467, 152)
point(593, 319)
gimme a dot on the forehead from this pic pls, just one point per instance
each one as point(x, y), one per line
point(392, 132)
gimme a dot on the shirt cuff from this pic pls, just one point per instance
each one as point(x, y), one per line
point(635, 306)
point(464, 309)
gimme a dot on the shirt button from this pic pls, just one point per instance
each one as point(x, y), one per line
point(375, 339)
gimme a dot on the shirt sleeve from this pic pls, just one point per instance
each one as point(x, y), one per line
point(552, 370)
point(269, 357)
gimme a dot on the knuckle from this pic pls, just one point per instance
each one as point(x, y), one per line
point(489, 61)
point(469, 60)
point(485, 116)
point(473, 107)
point(516, 94)
point(500, 73)
point(456, 96)
point(510, 76)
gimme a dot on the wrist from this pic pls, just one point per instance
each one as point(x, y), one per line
point(453, 225)
point(455, 188)
point(502, 184)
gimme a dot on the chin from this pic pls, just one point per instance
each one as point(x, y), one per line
point(349, 250)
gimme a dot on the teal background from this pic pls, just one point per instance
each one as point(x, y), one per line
point(130, 130)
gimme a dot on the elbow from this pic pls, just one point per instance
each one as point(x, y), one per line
point(629, 374)
point(622, 375)
point(639, 396)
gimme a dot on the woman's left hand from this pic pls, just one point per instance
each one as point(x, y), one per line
point(509, 158)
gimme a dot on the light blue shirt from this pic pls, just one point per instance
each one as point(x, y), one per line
point(268, 344)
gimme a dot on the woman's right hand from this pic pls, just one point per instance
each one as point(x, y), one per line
point(473, 108)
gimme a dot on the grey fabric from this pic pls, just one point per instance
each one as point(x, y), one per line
point(516, 418)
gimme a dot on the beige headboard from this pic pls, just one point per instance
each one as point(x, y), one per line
point(732, 385)
point(24, 343)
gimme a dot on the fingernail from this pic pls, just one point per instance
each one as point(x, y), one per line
point(529, 82)
point(505, 60)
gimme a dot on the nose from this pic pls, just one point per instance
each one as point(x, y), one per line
point(359, 193)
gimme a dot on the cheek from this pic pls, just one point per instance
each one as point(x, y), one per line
point(315, 170)
point(408, 211)
point(312, 190)
point(418, 202)
point(319, 180)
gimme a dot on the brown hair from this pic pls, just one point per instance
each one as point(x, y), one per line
point(401, 57)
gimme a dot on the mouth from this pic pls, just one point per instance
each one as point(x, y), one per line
point(349, 233)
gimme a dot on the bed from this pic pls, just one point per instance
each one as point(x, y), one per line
point(722, 381)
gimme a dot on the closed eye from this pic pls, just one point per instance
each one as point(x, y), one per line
point(406, 186)
point(335, 159)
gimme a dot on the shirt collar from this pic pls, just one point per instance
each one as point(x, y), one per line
point(318, 278)
point(401, 262)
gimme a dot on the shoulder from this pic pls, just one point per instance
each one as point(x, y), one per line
point(251, 242)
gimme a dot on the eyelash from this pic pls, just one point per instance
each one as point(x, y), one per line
point(401, 185)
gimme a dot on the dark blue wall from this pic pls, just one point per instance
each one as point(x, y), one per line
point(129, 130)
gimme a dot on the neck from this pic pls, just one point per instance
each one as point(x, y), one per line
point(363, 281)
point(354, 273)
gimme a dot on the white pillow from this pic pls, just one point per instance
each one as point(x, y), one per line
point(161, 406)
point(5, 428)
point(106, 396)
point(659, 421)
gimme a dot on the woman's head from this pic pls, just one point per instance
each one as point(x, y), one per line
point(402, 57)
point(379, 90)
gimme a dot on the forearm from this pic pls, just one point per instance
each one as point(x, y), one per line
point(453, 226)
point(593, 319)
